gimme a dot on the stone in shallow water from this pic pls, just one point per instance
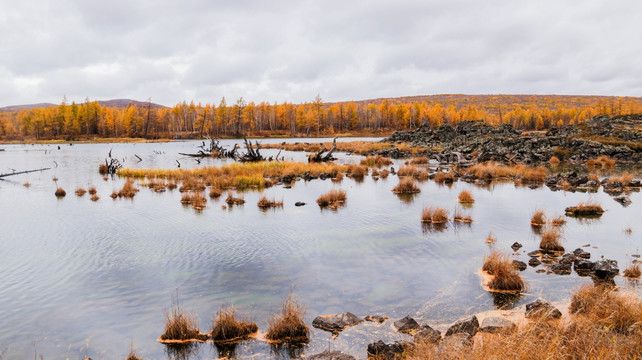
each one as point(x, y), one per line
point(381, 350)
point(534, 261)
point(375, 318)
point(406, 325)
point(336, 322)
point(496, 324)
point(519, 265)
point(516, 246)
point(427, 335)
point(561, 269)
point(542, 309)
point(331, 355)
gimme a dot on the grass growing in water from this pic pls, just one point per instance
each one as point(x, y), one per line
point(434, 215)
point(195, 199)
point(92, 190)
point(558, 221)
point(227, 328)
point(94, 197)
point(80, 191)
point(459, 216)
point(406, 186)
point(538, 218)
point(413, 171)
point(60, 192)
point(505, 276)
point(180, 326)
point(444, 177)
point(265, 203)
point(333, 198)
point(550, 241)
point(376, 161)
point(587, 208)
point(633, 271)
point(128, 189)
point(231, 200)
point(288, 325)
point(465, 197)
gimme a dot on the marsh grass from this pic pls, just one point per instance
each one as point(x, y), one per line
point(504, 275)
point(60, 192)
point(632, 271)
point(384, 174)
point(357, 171)
point(376, 161)
point(94, 197)
point(406, 186)
point(80, 191)
point(196, 199)
point(103, 169)
point(523, 173)
point(550, 241)
point(231, 200)
point(558, 221)
point(414, 172)
point(624, 179)
point(92, 190)
point(288, 325)
point(419, 161)
point(490, 239)
point(604, 305)
point(215, 192)
point(227, 328)
point(333, 199)
point(128, 190)
point(180, 326)
point(26, 184)
point(466, 197)
point(265, 203)
point(554, 161)
point(444, 177)
point(492, 260)
point(192, 184)
point(538, 218)
point(434, 215)
point(459, 216)
point(586, 208)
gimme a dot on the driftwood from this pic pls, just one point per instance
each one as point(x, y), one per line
point(319, 157)
point(22, 172)
point(214, 149)
point(252, 154)
point(112, 164)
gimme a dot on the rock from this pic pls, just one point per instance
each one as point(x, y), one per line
point(336, 322)
point(406, 325)
point(580, 253)
point(427, 335)
point(469, 326)
point(519, 265)
point(561, 269)
point(516, 246)
point(299, 203)
point(383, 351)
point(495, 324)
point(566, 261)
point(542, 309)
point(375, 318)
point(623, 199)
point(331, 355)
point(535, 253)
point(582, 266)
point(605, 269)
point(456, 342)
point(534, 261)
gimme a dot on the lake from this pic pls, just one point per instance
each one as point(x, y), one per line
point(83, 278)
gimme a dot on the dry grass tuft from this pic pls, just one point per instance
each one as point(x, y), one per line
point(419, 161)
point(92, 190)
point(60, 192)
point(538, 218)
point(604, 306)
point(215, 192)
point(384, 173)
point(505, 277)
point(180, 326)
point(288, 325)
point(587, 208)
point(128, 189)
point(357, 171)
point(434, 215)
point(554, 161)
point(26, 184)
point(459, 216)
point(550, 241)
point(413, 171)
point(333, 199)
point(492, 260)
point(94, 197)
point(632, 271)
point(466, 197)
point(80, 191)
point(406, 186)
point(226, 327)
point(265, 203)
point(624, 179)
point(192, 184)
point(558, 221)
point(606, 162)
point(198, 201)
point(376, 161)
point(103, 169)
point(231, 200)
point(444, 177)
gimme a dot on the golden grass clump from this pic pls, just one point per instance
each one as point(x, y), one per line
point(60, 192)
point(128, 190)
point(288, 326)
point(406, 186)
point(215, 192)
point(337, 178)
point(180, 326)
point(132, 356)
point(532, 175)
point(623, 179)
point(554, 161)
point(227, 328)
point(80, 191)
point(444, 177)
point(419, 161)
point(459, 216)
point(550, 241)
point(434, 215)
point(538, 218)
point(94, 197)
point(231, 200)
point(92, 190)
point(558, 221)
point(333, 199)
point(586, 208)
point(490, 239)
point(192, 184)
point(376, 161)
point(604, 306)
point(26, 184)
point(632, 271)
point(198, 201)
point(103, 169)
point(606, 162)
point(492, 260)
point(384, 173)
point(357, 171)
point(491, 170)
point(413, 171)
point(465, 197)
point(265, 203)
point(505, 277)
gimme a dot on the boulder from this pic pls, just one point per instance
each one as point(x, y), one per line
point(561, 269)
point(383, 351)
point(331, 355)
point(623, 199)
point(534, 261)
point(406, 325)
point(336, 322)
point(605, 269)
point(516, 246)
point(542, 309)
point(519, 265)
point(580, 253)
point(495, 324)
point(469, 326)
point(299, 203)
point(427, 335)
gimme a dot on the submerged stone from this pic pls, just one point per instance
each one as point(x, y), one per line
point(381, 350)
point(336, 322)
point(331, 355)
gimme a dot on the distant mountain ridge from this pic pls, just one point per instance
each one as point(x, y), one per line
point(119, 103)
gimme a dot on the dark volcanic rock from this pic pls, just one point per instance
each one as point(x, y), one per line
point(542, 309)
point(582, 265)
point(427, 334)
point(331, 355)
point(516, 246)
point(561, 269)
point(496, 324)
point(534, 261)
point(299, 203)
point(383, 351)
point(605, 269)
point(375, 318)
point(406, 325)
point(519, 265)
point(336, 322)
point(623, 199)
point(469, 326)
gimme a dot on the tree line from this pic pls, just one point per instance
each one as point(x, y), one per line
point(90, 119)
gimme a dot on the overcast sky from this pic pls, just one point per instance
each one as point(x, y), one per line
point(293, 50)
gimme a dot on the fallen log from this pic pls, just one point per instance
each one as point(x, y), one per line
point(319, 157)
point(22, 172)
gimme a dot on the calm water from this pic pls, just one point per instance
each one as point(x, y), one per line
point(88, 278)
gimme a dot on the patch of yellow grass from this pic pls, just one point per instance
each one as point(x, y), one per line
point(406, 186)
point(333, 199)
point(466, 197)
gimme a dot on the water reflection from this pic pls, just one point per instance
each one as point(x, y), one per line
point(505, 301)
point(287, 351)
point(182, 351)
point(226, 351)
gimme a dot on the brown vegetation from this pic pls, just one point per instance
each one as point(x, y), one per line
point(192, 184)
point(459, 216)
point(80, 191)
point(26, 184)
point(94, 197)
point(413, 171)
point(215, 192)
point(465, 197)
point(195, 199)
point(419, 161)
point(624, 179)
point(491, 170)
point(434, 215)
point(554, 161)
point(103, 169)
point(231, 200)
point(60, 192)
point(550, 241)
point(227, 328)
point(288, 326)
point(357, 171)
point(92, 190)
point(505, 277)
point(181, 327)
point(128, 190)
point(603, 305)
point(490, 238)
point(376, 161)
point(444, 177)
point(333, 199)
point(384, 173)
point(558, 221)
point(265, 203)
point(538, 218)
point(406, 186)
point(633, 271)
point(586, 208)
